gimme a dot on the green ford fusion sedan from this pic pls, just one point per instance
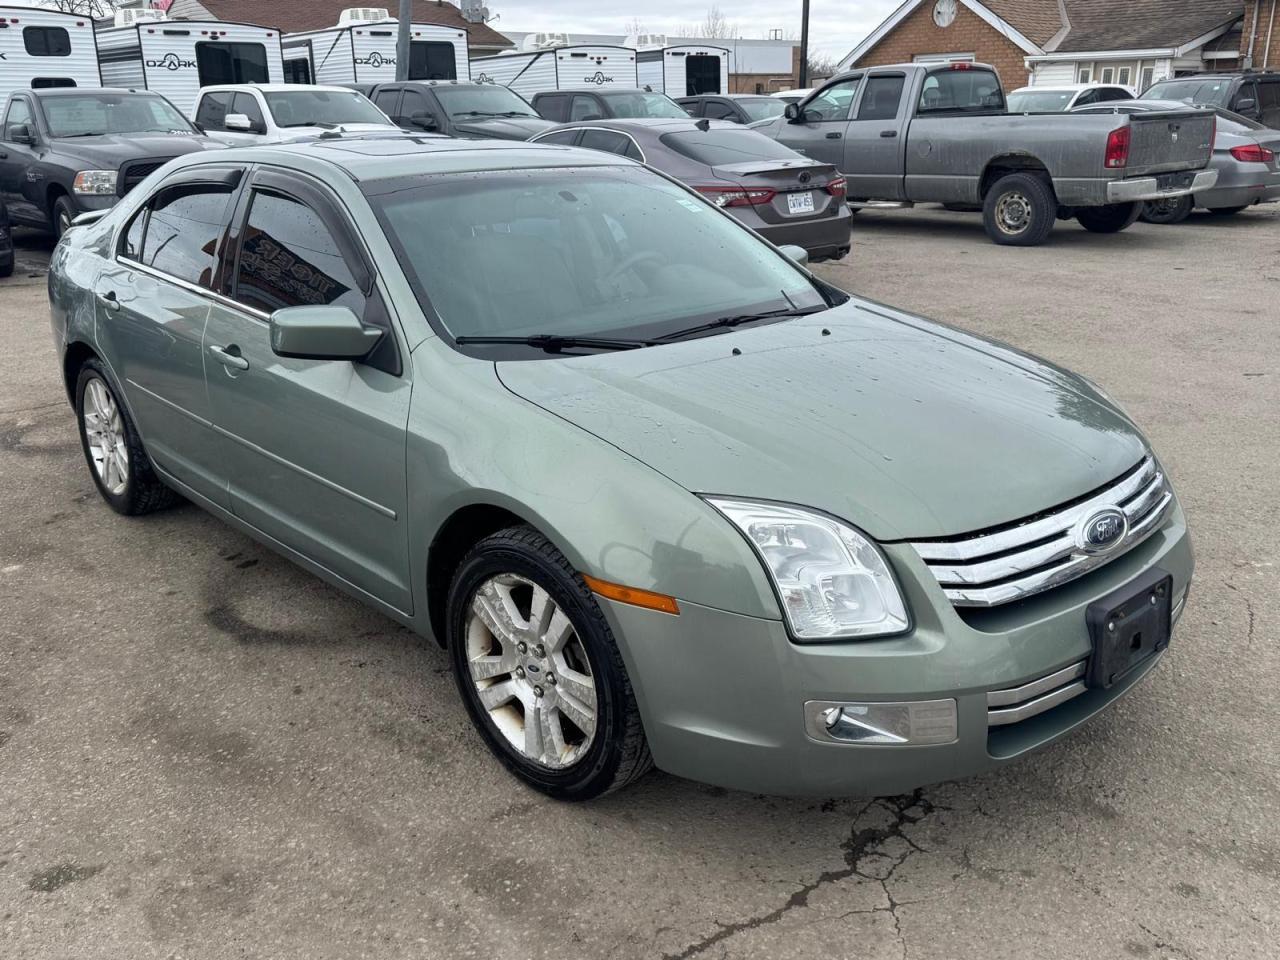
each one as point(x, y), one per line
point(666, 497)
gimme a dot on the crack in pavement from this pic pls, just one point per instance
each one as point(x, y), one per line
point(1248, 606)
point(862, 848)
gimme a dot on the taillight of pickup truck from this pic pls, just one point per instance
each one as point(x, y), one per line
point(1118, 148)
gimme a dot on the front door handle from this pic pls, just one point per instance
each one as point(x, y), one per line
point(888, 134)
point(229, 357)
point(833, 136)
point(109, 300)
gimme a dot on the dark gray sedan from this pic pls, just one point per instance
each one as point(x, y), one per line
point(785, 197)
point(1246, 156)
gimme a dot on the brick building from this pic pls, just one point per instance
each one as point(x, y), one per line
point(1133, 43)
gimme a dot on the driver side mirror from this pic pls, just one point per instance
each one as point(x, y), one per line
point(792, 252)
point(321, 333)
point(423, 121)
point(240, 123)
point(792, 112)
point(21, 133)
point(1248, 103)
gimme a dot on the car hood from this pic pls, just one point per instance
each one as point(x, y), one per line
point(111, 150)
point(903, 427)
point(503, 128)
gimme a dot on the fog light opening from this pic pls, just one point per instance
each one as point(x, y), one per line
point(913, 723)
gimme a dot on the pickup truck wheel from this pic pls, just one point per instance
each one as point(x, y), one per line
point(539, 670)
point(63, 213)
point(1019, 210)
point(1111, 218)
point(1169, 211)
point(113, 449)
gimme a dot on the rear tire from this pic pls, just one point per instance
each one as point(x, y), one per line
point(1111, 218)
point(1171, 211)
point(113, 450)
point(539, 670)
point(1019, 210)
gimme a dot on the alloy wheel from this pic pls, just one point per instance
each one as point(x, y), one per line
point(104, 430)
point(531, 672)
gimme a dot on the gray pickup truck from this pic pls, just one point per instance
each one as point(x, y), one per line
point(918, 133)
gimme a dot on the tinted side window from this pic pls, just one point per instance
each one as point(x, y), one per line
point(585, 108)
point(1114, 93)
point(213, 110)
point(633, 151)
point(1269, 102)
point(605, 140)
point(1086, 98)
point(386, 102)
point(132, 245)
point(880, 101)
point(288, 258)
point(247, 104)
point(19, 113)
point(183, 231)
point(562, 137)
point(46, 41)
point(718, 110)
point(832, 103)
point(552, 107)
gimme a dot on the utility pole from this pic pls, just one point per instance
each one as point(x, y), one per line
point(804, 45)
point(402, 39)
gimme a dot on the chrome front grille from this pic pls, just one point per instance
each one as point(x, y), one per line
point(1014, 562)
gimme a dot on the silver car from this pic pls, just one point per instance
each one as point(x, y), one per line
point(1246, 156)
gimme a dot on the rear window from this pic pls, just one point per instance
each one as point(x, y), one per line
point(960, 90)
point(719, 146)
point(1213, 92)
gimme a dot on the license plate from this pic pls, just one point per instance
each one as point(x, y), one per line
point(800, 202)
point(1128, 626)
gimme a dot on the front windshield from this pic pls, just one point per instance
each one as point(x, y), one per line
point(1040, 101)
point(322, 108)
point(590, 251)
point(487, 101)
point(626, 105)
point(1191, 90)
point(762, 108)
point(99, 114)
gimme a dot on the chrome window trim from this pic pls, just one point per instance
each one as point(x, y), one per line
point(575, 146)
point(195, 288)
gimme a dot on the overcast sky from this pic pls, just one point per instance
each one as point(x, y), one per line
point(834, 28)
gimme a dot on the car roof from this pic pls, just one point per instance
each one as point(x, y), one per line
point(654, 126)
point(275, 87)
point(1073, 87)
point(81, 91)
point(382, 157)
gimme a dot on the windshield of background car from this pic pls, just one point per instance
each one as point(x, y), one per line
point(1213, 92)
point(627, 105)
point(960, 91)
point(1042, 101)
point(322, 108)
point(486, 101)
point(589, 251)
point(96, 114)
point(762, 108)
point(727, 145)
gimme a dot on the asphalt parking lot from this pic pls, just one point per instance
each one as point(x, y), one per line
point(206, 753)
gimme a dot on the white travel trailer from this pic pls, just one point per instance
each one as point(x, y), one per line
point(175, 58)
point(45, 48)
point(568, 67)
point(683, 71)
point(362, 49)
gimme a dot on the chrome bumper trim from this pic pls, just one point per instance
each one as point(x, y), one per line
point(1148, 188)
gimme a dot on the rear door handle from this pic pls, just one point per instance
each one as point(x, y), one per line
point(109, 300)
point(888, 134)
point(833, 136)
point(229, 357)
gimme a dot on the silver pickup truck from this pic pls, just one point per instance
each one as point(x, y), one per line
point(918, 133)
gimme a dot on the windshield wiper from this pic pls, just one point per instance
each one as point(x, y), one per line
point(739, 320)
point(554, 343)
point(478, 113)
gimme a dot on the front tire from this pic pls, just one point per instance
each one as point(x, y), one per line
point(64, 212)
point(113, 450)
point(1111, 218)
point(539, 670)
point(1170, 211)
point(1019, 210)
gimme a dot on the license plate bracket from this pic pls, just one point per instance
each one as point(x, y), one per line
point(1174, 181)
point(800, 203)
point(1129, 625)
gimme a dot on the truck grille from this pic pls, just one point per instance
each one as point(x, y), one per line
point(1010, 563)
point(135, 171)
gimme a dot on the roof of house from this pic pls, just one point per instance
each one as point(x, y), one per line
point(293, 16)
point(1068, 26)
point(1143, 24)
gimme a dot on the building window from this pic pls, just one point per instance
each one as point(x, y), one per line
point(1108, 75)
point(1148, 77)
point(1086, 74)
point(1123, 78)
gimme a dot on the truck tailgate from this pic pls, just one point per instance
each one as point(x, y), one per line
point(1168, 142)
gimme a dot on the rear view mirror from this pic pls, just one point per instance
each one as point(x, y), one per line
point(238, 121)
point(799, 254)
point(321, 333)
point(1248, 103)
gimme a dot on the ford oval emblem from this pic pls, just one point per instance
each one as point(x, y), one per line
point(1102, 531)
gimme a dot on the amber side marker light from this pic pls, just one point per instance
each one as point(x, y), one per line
point(637, 598)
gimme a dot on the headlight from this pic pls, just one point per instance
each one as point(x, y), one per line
point(833, 582)
point(97, 182)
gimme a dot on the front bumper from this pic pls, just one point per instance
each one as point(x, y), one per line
point(1148, 188)
point(723, 696)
